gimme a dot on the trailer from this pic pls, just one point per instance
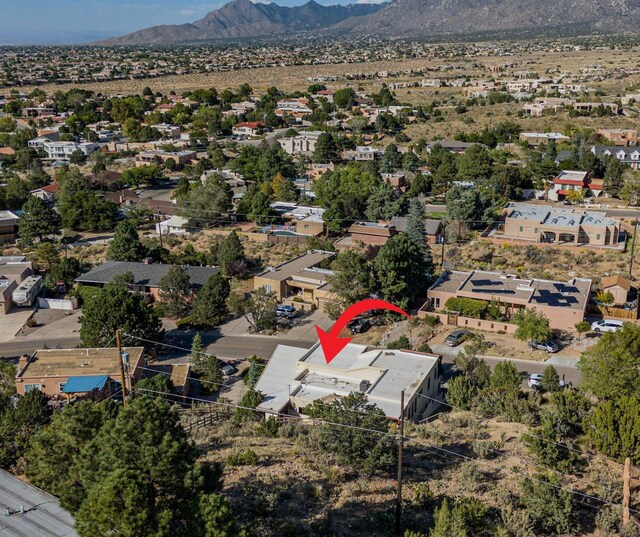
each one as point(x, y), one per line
point(28, 291)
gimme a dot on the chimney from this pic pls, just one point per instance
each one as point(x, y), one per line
point(24, 360)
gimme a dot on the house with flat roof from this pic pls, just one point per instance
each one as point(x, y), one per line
point(454, 146)
point(372, 233)
point(303, 219)
point(563, 303)
point(541, 224)
point(294, 378)
point(31, 511)
point(534, 139)
point(146, 276)
point(301, 282)
point(8, 227)
point(75, 372)
point(179, 157)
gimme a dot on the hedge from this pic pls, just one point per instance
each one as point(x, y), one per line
point(469, 307)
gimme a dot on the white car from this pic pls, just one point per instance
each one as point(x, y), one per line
point(535, 381)
point(607, 325)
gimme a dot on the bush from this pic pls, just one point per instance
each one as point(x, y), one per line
point(423, 347)
point(242, 458)
point(469, 307)
point(268, 427)
point(31, 322)
point(401, 343)
point(431, 320)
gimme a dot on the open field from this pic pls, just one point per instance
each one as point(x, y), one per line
point(292, 78)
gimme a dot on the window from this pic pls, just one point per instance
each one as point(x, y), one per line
point(521, 229)
point(598, 237)
point(267, 288)
point(61, 386)
point(30, 387)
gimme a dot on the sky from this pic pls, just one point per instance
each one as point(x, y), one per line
point(77, 21)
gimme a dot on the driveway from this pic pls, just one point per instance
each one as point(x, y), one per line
point(63, 328)
point(12, 322)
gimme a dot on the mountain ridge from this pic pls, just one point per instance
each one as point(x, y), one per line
point(243, 18)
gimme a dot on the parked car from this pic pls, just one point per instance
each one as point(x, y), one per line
point(607, 325)
point(228, 370)
point(456, 337)
point(535, 381)
point(285, 311)
point(547, 346)
point(359, 326)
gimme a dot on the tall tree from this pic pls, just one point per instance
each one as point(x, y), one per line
point(372, 450)
point(611, 368)
point(258, 309)
point(210, 304)
point(351, 281)
point(230, 255)
point(37, 221)
point(113, 308)
point(126, 244)
point(402, 270)
point(176, 292)
point(326, 149)
point(532, 325)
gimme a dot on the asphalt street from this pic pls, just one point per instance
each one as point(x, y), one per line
point(237, 348)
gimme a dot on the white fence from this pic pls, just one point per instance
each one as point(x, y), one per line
point(58, 304)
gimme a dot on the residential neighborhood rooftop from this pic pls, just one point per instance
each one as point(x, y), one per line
point(297, 265)
point(42, 516)
point(75, 362)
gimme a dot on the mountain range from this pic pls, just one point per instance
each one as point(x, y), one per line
point(398, 18)
point(245, 19)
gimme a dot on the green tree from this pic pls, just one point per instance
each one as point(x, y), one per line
point(113, 308)
point(611, 368)
point(532, 325)
point(176, 292)
point(210, 304)
point(204, 204)
point(37, 221)
point(370, 450)
point(55, 449)
point(461, 392)
point(614, 177)
point(326, 149)
point(230, 255)
point(391, 159)
point(614, 428)
point(45, 255)
point(550, 380)
point(66, 270)
point(448, 522)
point(210, 373)
point(126, 244)
point(350, 282)
point(343, 98)
point(551, 508)
point(258, 309)
point(158, 385)
point(253, 372)
point(475, 164)
point(506, 378)
point(402, 270)
point(197, 356)
point(582, 328)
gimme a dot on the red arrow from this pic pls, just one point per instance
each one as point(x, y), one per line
point(331, 343)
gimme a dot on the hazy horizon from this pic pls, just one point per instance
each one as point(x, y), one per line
point(72, 21)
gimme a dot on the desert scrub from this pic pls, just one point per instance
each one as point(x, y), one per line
point(248, 457)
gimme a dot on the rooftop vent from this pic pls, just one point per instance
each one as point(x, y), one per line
point(364, 386)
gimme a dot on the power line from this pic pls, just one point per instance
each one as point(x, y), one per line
point(565, 446)
point(495, 465)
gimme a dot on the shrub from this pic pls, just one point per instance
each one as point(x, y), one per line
point(31, 322)
point(242, 458)
point(423, 347)
point(401, 343)
point(268, 427)
point(469, 307)
point(431, 320)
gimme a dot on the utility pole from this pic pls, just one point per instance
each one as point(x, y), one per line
point(633, 248)
point(122, 376)
point(400, 457)
point(626, 491)
point(159, 228)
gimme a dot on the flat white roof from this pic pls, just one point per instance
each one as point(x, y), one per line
point(304, 375)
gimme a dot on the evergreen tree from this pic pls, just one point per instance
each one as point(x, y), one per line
point(351, 281)
point(126, 244)
point(113, 308)
point(402, 270)
point(448, 522)
point(230, 255)
point(550, 380)
point(175, 292)
point(210, 304)
point(197, 356)
point(326, 149)
point(37, 221)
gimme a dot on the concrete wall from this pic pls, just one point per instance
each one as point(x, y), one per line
point(57, 304)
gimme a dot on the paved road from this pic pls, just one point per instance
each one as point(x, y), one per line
point(235, 348)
